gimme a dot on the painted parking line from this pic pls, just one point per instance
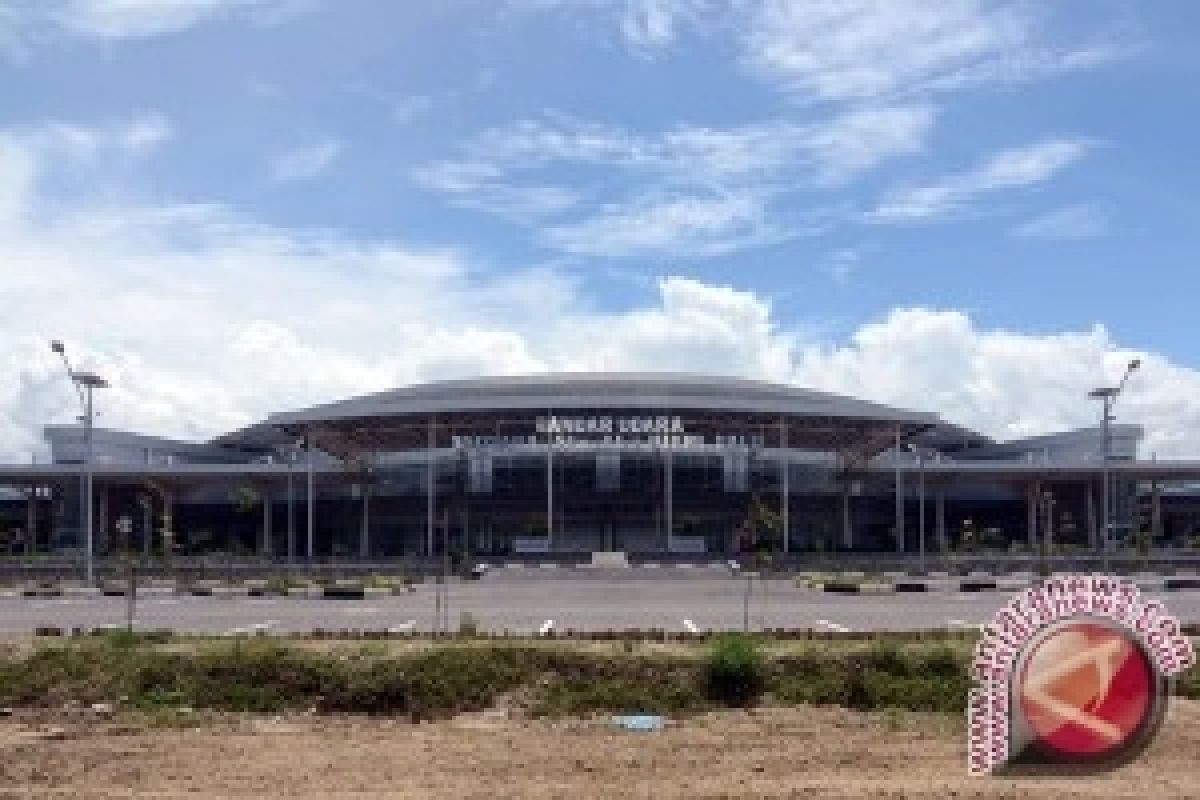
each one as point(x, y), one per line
point(833, 626)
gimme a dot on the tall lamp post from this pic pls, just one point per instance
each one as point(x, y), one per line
point(1108, 397)
point(85, 383)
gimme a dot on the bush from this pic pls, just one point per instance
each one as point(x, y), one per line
point(735, 673)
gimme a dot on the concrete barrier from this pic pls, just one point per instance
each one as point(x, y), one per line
point(1181, 584)
point(343, 592)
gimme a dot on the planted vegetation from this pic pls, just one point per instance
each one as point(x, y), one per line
point(264, 675)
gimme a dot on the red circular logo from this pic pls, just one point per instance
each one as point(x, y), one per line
point(1086, 690)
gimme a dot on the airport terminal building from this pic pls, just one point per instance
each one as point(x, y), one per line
point(556, 467)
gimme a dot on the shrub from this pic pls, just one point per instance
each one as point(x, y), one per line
point(734, 673)
point(577, 696)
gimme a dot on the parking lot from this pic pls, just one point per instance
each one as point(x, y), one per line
point(526, 606)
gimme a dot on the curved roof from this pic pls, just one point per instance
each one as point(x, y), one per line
point(597, 391)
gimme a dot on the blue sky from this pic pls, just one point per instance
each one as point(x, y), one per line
point(664, 175)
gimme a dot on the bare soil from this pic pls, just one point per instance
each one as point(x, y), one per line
point(792, 752)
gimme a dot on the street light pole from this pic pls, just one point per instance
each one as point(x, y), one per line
point(85, 383)
point(1108, 396)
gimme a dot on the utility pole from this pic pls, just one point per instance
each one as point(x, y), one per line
point(85, 383)
point(1108, 396)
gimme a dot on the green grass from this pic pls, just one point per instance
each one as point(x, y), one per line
point(150, 674)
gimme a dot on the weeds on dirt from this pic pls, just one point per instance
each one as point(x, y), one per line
point(263, 675)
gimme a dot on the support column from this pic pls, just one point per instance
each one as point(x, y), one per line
point(899, 498)
point(467, 550)
point(669, 492)
point(169, 542)
point(103, 545)
point(943, 542)
point(1093, 531)
point(311, 498)
point(847, 527)
point(1155, 514)
point(364, 539)
point(430, 484)
point(146, 500)
point(784, 477)
point(31, 522)
point(265, 549)
point(1032, 492)
point(549, 491)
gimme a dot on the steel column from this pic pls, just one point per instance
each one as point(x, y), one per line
point(1032, 493)
point(847, 527)
point(549, 491)
point(430, 482)
point(1093, 537)
point(311, 497)
point(1155, 514)
point(943, 542)
point(785, 470)
point(291, 510)
point(364, 541)
point(266, 522)
point(669, 492)
point(31, 521)
point(899, 498)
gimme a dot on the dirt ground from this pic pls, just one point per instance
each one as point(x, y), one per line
point(793, 752)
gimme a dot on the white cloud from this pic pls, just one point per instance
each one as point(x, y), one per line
point(1023, 166)
point(139, 19)
point(205, 321)
point(1070, 222)
point(682, 225)
point(146, 133)
point(1004, 383)
point(853, 49)
point(306, 162)
point(651, 25)
point(25, 26)
point(688, 190)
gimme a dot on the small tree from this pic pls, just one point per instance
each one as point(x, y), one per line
point(761, 527)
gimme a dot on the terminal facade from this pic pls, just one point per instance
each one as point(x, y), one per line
point(557, 466)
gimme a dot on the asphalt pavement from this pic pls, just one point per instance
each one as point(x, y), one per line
point(709, 603)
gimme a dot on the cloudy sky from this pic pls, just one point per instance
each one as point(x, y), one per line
point(231, 207)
